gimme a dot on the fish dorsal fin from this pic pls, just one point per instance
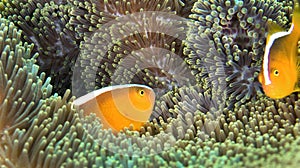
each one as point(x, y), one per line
point(296, 18)
point(273, 28)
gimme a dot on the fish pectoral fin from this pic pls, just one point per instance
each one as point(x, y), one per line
point(260, 77)
point(297, 90)
point(298, 66)
point(297, 87)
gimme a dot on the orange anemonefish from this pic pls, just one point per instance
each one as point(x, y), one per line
point(119, 106)
point(280, 69)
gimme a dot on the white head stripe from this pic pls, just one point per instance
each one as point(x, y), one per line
point(273, 37)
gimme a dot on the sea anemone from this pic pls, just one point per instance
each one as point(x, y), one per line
point(21, 87)
point(183, 7)
point(44, 24)
point(143, 47)
point(32, 124)
point(246, 136)
point(48, 139)
point(192, 128)
point(237, 29)
point(89, 16)
point(188, 105)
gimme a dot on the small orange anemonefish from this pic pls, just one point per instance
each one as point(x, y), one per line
point(280, 70)
point(119, 106)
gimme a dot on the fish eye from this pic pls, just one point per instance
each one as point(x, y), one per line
point(276, 72)
point(141, 92)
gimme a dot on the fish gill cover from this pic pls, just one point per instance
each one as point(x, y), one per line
point(195, 123)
